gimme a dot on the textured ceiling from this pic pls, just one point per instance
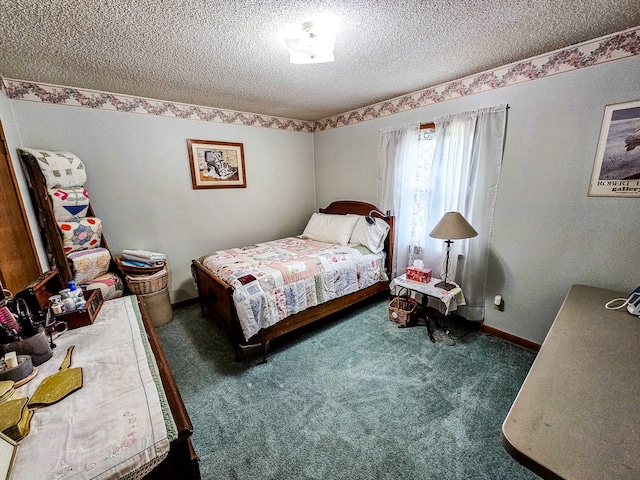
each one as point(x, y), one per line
point(232, 55)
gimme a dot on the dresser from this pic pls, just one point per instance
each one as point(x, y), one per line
point(128, 419)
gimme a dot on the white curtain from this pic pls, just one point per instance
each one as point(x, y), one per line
point(397, 156)
point(464, 178)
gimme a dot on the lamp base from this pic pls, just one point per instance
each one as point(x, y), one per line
point(445, 286)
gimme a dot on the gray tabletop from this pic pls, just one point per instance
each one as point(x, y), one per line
point(577, 414)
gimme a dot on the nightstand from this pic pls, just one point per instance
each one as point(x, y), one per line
point(439, 299)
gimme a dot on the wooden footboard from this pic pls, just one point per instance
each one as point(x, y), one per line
point(216, 300)
point(216, 296)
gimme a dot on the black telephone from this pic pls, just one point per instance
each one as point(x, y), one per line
point(632, 303)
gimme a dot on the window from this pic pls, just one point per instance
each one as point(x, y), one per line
point(426, 149)
point(421, 178)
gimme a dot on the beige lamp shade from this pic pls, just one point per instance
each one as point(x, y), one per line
point(453, 226)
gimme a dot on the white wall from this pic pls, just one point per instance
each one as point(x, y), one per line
point(139, 181)
point(548, 234)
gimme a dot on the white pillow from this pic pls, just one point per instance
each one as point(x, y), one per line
point(371, 236)
point(327, 228)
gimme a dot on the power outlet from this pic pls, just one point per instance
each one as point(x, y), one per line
point(498, 303)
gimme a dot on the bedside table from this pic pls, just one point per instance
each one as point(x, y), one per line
point(441, 300)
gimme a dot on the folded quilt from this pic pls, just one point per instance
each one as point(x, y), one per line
point(134, 263)
point(89, 264)
point(60, 169)
point(69, 203)
point(144, 256)
point(109, 284)
point(276, 279)
point(80, 233)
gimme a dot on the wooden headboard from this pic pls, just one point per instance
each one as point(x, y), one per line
point(342, 207)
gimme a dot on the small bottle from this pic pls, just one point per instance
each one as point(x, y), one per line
point(76, 294)
point(69, 304)
point(80, 300)
point(56, 304)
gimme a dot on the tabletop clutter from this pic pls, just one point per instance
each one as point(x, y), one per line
point(31, 320)
point(26, 342)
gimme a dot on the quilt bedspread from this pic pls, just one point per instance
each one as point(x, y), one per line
point(273, 280)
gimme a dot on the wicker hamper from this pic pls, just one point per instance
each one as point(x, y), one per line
point(144, 284)
point(400, 310)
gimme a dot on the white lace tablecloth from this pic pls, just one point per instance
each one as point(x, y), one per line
point(116, 425)
point(442, 300)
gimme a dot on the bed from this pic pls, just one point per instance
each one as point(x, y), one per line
point(226, 279)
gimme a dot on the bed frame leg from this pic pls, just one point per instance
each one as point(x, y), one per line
point(264, 353)
point(265, 347)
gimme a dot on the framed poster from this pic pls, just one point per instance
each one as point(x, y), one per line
point(216, 164)
point(616, 171)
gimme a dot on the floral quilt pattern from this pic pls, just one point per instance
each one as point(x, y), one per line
point(273, 280)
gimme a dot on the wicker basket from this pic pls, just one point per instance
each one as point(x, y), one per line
point(144, 284)
point(400, 310)
point(133, 270)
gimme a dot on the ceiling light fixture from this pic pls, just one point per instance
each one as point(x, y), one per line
point(312, 42)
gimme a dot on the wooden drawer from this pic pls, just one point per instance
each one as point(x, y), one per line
point(84, 316)
point(37, 293)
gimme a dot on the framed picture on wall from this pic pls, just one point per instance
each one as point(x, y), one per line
point(616, 171)
point(216, 164)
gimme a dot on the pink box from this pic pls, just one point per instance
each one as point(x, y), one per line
point(422, 275)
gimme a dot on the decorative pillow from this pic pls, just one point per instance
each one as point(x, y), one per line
point(89, 264)
point(81, 233)
point(110, 284)
point(371, 236)
point(60, 169)
point(69, 203)
point(328, 228)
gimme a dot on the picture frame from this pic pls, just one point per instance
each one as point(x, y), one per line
point(216, 164)
point(616, 170)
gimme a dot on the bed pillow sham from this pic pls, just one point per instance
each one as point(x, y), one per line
point(371, 236)
point(327, 228)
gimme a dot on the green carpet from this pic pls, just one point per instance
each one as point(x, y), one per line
point(353, 397)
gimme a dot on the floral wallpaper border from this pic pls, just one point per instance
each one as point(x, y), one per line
point(45, 93)
point(593, 52)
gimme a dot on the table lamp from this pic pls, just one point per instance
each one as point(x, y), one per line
point(452, 226)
